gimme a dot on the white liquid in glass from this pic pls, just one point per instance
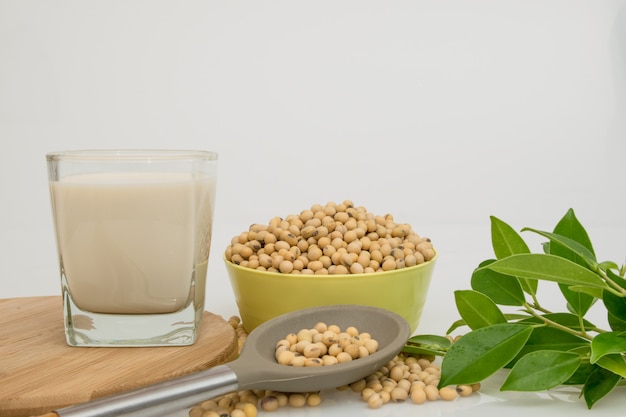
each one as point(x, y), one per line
point(129, 242)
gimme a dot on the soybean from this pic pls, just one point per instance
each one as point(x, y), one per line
point(324, 345)
point(313, 399)
point(408, 377)
point(464, 390)
point(269, 403)
point(329, 234)
point(448, 393)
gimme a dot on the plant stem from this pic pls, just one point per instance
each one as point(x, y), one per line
point(581, 323)
point(613, 286)
point(530, 310)
point(535, 306)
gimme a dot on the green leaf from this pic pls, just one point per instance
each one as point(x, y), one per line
point(614, 362)
point(584, 369)
point(571, 227)
point(619, 280)
point(430, 339)
point(506, 242)
point(548, 268)
point(550, 338)
point(578, 301)
point(427, 345)
point(615, 304)
point(607, 265)
point(541, 370)
point(529, 285)
point(421, 350)
point(568, 248)
point(573, 243)
point(594, 292)
point(607, 343)
point(502, 289)
point(511, 317)
point(617, 325)
point(599, 384)
point(477, 310)
point(482, 352)
point(515, 317)
point(581, 375)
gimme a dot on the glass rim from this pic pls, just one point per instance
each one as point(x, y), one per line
point(131, 154)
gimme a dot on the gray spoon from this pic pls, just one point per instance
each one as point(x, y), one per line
point(256, 367)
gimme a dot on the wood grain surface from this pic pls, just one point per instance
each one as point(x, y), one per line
point(39, 372)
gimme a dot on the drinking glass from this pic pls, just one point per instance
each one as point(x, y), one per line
point(133, 231)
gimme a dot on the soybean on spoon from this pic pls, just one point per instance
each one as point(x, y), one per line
point(256, 367)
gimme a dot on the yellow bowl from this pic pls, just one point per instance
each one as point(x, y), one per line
point(262, 295)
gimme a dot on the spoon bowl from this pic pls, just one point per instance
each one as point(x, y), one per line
point(256, 367)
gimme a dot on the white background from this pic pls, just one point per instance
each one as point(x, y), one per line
point(439, 112)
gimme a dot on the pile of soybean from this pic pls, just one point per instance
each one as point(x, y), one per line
point(330, 239)
point(324, 345)
point(404, 378)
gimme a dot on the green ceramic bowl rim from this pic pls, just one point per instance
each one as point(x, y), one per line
point(335, 276)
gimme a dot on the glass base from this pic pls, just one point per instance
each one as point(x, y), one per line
point(84, 328)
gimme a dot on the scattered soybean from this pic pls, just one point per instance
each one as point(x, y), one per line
point(405, 378)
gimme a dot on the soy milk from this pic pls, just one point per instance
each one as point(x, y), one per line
point(133, 246)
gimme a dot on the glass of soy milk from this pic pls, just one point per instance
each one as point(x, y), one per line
point(133, 231)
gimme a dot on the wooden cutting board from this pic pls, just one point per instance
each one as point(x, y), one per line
point(39, 372)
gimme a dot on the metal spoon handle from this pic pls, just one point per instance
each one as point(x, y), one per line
point(161, 398)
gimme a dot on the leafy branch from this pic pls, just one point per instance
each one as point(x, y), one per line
point(542, 349)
